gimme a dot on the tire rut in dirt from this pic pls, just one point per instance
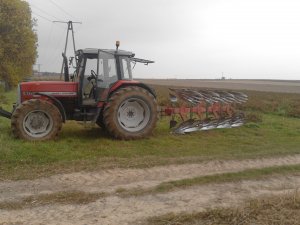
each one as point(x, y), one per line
point(134, 210)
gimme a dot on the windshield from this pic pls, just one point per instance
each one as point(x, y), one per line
point(103, 66)
point(125, 68)
point(107, 69)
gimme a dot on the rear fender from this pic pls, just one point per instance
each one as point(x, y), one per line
point(123, 84)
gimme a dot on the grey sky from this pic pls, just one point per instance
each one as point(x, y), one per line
point(186, 39)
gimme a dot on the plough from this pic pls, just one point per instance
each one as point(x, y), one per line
point(204, 109)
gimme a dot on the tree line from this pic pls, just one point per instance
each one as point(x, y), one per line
point(18, 41)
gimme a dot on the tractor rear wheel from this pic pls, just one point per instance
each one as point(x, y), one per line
point(36, 120)
point(131, 113)
point(100, 121)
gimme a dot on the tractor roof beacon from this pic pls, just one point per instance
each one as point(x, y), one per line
point(100, 91)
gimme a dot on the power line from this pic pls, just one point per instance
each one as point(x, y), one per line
point(43, 17)
point(70, 28)
point(44, 12)
point(59, 7)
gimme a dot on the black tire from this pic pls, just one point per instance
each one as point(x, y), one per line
point(100, 121)
point(131, 113)
point(36, 120)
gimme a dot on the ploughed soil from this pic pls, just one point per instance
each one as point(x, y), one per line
point(284, 86)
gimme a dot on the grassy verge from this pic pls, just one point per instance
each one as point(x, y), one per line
point(79, 148)
point(271, 210)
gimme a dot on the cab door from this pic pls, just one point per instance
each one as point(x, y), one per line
point(107, 74)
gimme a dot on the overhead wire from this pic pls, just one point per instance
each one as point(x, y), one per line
point(43, 17)
point(46, 18)
point(59, 7)
point(54, 56)
point(44, 12)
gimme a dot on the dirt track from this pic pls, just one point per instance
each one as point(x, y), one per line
point(256, 85)
point(117, 210)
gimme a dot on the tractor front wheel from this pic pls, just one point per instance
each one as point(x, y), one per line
point(131, 113)
point(36, 120)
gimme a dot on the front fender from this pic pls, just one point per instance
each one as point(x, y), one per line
point(57, 103)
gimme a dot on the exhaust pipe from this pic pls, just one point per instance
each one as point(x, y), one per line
point(5, 114)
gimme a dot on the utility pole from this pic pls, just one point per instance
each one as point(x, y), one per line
point(70, 28)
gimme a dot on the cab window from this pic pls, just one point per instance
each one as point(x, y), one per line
point(126, 68)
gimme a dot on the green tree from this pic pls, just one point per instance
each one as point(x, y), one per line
point(18, 41)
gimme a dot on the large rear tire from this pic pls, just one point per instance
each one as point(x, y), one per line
point(36, 120)
point(131, 113)
point(100, 121)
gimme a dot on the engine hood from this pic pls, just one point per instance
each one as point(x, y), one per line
point(53, 88)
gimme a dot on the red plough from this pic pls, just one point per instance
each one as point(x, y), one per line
point(205, 110)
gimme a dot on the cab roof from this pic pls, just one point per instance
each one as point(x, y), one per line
point(110, 51)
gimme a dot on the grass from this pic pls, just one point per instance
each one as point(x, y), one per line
point(269, 210)
point(81, 148)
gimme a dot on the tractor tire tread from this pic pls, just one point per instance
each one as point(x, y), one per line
point(112, 107)
point(35, 104)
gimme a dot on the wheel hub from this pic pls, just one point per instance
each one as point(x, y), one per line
point(133, 114)
point(37, 124)
point(130, 113)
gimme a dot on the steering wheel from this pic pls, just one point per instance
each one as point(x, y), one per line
point(92, 76)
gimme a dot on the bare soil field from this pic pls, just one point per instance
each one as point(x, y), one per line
point(113, 208)
point(284, 86)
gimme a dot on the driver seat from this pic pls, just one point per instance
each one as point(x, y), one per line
point(88, 91)
point(89, 96)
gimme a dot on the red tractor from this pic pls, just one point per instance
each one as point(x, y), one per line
point(101, 91)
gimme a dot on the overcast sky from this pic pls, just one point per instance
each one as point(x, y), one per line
point(244, 39)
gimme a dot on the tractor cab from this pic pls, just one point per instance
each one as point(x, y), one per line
point(98, 70)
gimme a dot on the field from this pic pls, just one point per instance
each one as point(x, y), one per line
point(86, 177)
point(283, 86)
